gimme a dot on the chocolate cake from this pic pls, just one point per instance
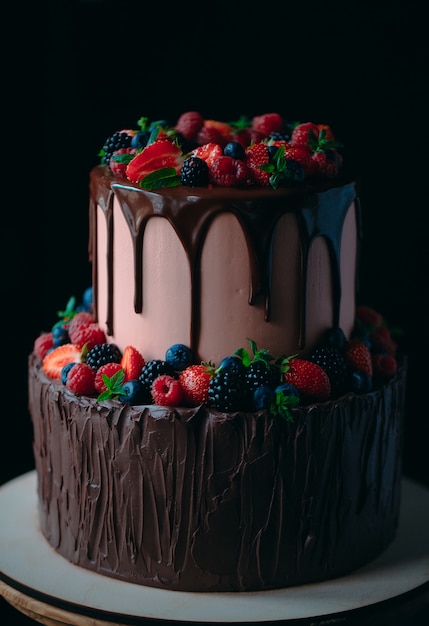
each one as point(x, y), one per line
point(240, 274)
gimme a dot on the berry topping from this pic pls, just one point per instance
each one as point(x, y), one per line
point(56, 359)
point(309, 378)
point(108, 370)
point(267, 123)
point(195, 381)
point(166, 391)
point(159, 155)
point(103, 353)
point(194, 172)
point(132, 363)
point(179, 356)
point(208, 152)
point(358, 356)
point(42, 344)
point(258, 155)
point(80, 379)
point(189, 124)
point(229, 172)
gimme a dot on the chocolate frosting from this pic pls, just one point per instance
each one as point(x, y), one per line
point(198, 500)
point(320, 209)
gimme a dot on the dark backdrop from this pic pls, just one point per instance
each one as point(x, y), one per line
point(78, 71)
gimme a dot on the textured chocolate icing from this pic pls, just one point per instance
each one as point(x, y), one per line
point(197, 500)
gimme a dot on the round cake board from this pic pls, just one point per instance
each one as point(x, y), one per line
point(45, 581)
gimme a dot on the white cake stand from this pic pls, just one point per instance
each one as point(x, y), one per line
point(46, 587)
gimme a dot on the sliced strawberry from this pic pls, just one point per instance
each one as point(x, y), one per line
point(157, 155)
point(208, 152)
point(58, 358)
point(132, 362)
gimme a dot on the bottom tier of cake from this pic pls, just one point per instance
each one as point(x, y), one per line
point(198, 500)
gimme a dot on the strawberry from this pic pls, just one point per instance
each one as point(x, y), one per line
point(43, 344)
point(57, 358)
point(358, 356)
point(194, 381)
point(325, 164)
point(303, 155)
point(208, 152)
point(160, 154)
point(166, 391)
point(132, 362)
point(80, 379)
point(189, 124)
point(89, 335)
point(109, 370)
point(228, 172)
point(267, 123)
point(119, 160)
point(309, 378)
point(384, 366)
point(302, 133)
point(257, 155)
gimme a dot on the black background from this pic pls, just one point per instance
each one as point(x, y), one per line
point(78, 71)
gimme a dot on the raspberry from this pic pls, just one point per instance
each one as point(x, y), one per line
point(89, 334)
point(120, 159)
point(267, 123)
point(83, 317)
point(167, 391)
point(80, 379)
point(229, 172)
point(108, 369)
point(384, 366)
point(43, 344)
point(189, 124)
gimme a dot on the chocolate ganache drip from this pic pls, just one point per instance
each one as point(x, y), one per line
point(320, 212)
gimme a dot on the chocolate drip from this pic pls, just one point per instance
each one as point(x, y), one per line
point(320, 211)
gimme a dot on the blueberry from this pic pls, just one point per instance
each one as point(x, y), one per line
point(335, 338)
point(263, 397)
point(272, 151)
point(65, 371)
point(140, 139)
point(235, 150)
point(287, 389)
point(87, 299)
point(179, 356)
point(231, 363)
point(60, 335)
point(134, 393)
point(360, 382)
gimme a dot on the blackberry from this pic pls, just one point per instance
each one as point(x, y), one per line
point(332, 361)
point(227, 391)
point(194, 173)
point(115, 142)
point(103, 353)
point(153, 369)
point(261, 374)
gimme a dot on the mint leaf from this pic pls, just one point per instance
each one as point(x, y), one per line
point(164, 177)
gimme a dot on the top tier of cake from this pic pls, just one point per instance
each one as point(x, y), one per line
point(212, 267)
